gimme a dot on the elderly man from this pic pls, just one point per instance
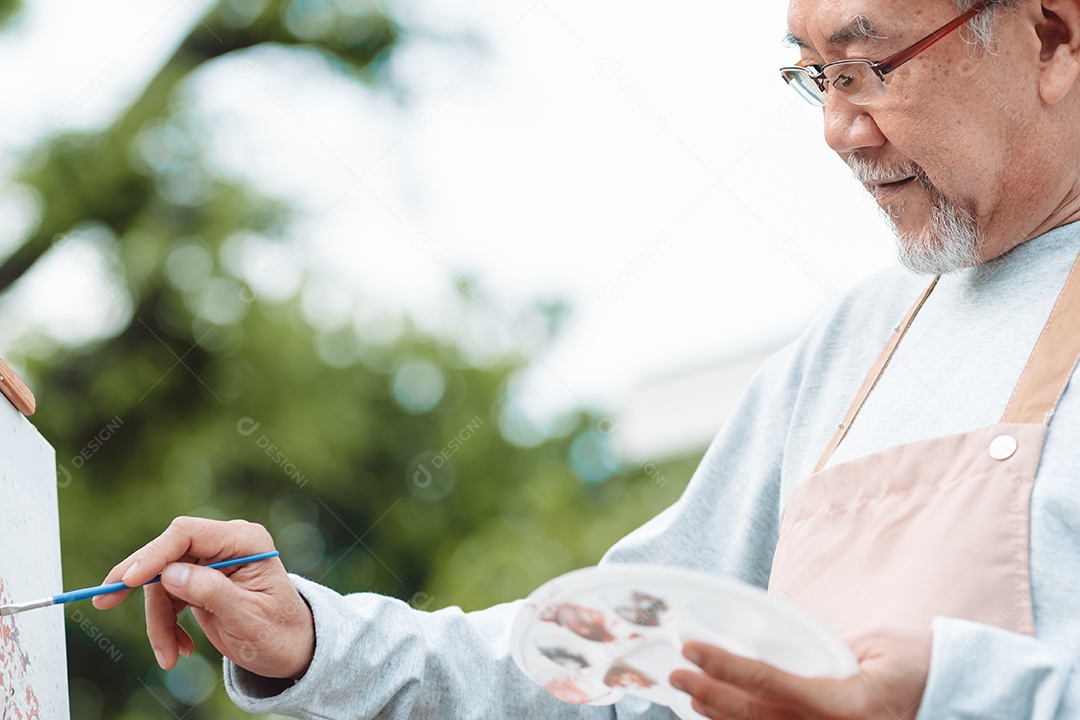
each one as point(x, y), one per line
point(922, 499)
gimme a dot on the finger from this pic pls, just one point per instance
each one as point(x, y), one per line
point(188, 538)
point(197, 539)
point(104, 602)
point(208, 589)
point(184, 644)
point(715, 699)
point(110, 600)
point(120, 570)
point(161, 616)
point(714, 714)
point(708, 711)
point(761, 679)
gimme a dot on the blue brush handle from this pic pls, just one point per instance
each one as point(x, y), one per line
point(85, 593)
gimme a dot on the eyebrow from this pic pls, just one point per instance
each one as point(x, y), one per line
point(860, 28)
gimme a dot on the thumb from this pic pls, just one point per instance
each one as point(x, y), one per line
point(203, 587)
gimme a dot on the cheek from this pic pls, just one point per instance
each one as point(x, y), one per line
point(956, 155)
point(962, 123)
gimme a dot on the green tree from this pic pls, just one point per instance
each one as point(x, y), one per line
point(378, 466)
point(7, 9)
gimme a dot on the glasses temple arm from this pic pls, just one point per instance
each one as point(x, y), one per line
point(889, 64)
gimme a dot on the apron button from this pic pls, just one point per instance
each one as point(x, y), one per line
point(1003, 447)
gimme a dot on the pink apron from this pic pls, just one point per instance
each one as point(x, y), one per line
point(936, 527)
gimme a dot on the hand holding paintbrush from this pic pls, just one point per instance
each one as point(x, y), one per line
point(251, 612)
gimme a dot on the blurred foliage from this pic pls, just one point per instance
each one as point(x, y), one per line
point(384, 466)
point(91, 177)
point(8, 8)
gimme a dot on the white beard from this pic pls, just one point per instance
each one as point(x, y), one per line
point(952, 239)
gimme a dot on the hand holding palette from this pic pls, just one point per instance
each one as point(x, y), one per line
point(593, 635)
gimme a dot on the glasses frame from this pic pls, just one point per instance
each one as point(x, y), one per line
point(889, 64)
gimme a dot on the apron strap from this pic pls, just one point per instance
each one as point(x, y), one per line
point(875, 374)
point(1052, 362)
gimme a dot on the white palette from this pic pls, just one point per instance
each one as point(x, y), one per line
point(593, 635)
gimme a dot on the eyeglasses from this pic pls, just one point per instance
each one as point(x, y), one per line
point(863, 81)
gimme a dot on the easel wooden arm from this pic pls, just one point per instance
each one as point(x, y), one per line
point(16, 391)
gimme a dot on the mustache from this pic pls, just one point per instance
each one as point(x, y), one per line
point(872, 172)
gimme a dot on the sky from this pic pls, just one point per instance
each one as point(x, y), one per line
point(641, 161)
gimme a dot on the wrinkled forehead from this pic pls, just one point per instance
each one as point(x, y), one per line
point(822, 23)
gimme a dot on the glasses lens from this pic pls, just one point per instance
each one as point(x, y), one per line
point(856, 81)
point(801, 82)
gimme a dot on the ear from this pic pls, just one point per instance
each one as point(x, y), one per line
point(1058, 29)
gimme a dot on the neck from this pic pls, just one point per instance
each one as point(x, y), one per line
point(1005, 237)
point(1067, 211)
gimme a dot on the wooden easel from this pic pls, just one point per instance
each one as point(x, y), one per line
point(16, 391)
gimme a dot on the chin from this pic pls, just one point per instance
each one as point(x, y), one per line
point(936, 251)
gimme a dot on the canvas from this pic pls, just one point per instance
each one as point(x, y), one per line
point(33, 659)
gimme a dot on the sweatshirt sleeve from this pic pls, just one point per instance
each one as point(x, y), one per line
point(980, 671)
point(727, 521)
point(377, 657)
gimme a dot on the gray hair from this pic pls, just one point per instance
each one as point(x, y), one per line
point(981, 30)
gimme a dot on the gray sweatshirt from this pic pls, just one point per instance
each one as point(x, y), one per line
point(376, 657)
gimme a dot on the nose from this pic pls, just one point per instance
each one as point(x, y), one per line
point(850, 127)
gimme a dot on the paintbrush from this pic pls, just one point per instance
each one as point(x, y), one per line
point(85, 593)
